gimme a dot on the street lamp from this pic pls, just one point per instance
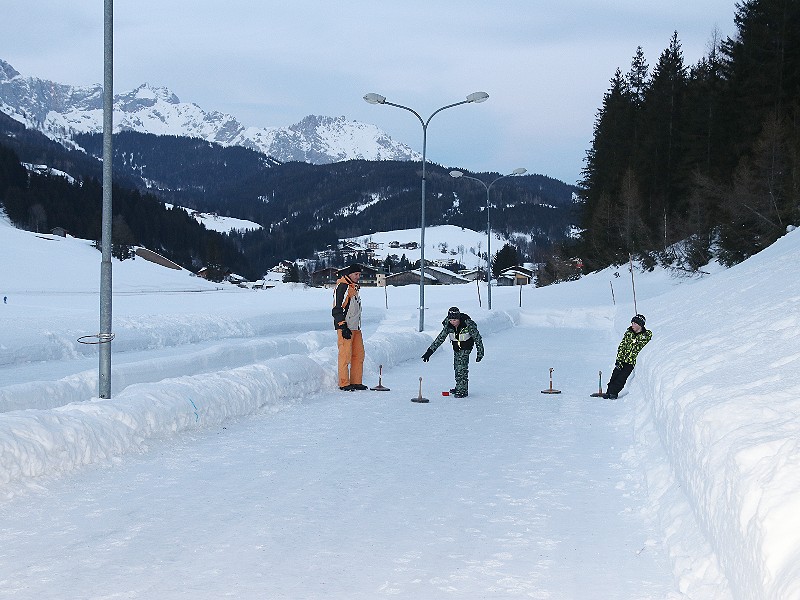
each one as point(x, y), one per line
point(372, 98)
point(456, 175)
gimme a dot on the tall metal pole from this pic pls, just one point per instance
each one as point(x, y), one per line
point(422, 229)
point(457, 174)
point(488, 249)
point(105, 266)
point(378, 99)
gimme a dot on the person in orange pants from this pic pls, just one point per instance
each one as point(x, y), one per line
point(346, 314)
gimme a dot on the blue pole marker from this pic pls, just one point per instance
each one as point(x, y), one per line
point(196, 414)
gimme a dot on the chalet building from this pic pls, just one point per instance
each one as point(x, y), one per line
point(327, 254)
point(473, 274)
point(433, 276)
point(282, 267)
point(410, 278)
point(515, 275)
point(325, 277)
point(445, 276)
point(156, 258)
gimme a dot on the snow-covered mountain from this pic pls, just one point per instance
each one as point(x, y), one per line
point(61, 110)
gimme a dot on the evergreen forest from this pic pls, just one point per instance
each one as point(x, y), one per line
point(690, 162)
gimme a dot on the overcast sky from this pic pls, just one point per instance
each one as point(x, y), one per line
point(544, 64)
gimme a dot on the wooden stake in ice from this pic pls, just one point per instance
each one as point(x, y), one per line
point(420, 398)
point(551, 390)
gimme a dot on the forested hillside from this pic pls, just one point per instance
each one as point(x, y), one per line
point(43, 201)
point(708, 153)
point(305, 207)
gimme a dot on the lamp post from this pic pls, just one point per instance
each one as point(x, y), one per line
point(105, 336)
point(372, 98)
point(456, 175)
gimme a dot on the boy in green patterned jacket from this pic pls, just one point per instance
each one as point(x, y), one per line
point(464, 335)
point(635, 338)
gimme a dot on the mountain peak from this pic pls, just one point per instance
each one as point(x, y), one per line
point(60, 110)
point(7, 72)
point(150, 91)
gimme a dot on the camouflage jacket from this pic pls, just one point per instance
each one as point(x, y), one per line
point(463, 338)
point(631, 344)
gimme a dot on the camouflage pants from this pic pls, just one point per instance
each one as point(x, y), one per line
point(461, 367)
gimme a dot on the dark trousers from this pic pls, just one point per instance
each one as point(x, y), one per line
point(618, 378)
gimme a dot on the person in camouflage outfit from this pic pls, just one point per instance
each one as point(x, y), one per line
point(635, 338)
point(464, 335)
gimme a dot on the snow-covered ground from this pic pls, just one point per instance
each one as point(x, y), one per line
point(227, 463)
point(442, 243)
point(217, 223)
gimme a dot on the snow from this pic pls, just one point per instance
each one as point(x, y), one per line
point(442, 243)
point(215, 222)
point(227, 463)
point(157, 110)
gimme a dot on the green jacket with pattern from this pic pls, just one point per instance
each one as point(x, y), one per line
point(631, 344)
point(464, 337)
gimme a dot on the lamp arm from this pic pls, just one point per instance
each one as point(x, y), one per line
point(444, 108)
point(411, 110)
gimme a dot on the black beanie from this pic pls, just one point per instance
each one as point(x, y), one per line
point(454, 313)
point(354, 268)
point(639, 320)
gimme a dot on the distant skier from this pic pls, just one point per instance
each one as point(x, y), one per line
point(464, 335)
point(347, 321)
point(5, 299)
point(635, 338)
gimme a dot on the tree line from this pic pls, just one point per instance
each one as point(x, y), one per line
point(690, 162)
point(306, 207)
point(44, 201)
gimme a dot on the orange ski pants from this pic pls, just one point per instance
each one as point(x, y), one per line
point(351, 358)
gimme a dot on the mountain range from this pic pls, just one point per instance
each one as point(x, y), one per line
point(306, 196)
point(61, 111)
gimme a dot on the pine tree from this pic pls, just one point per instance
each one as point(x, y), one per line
point(505, 257)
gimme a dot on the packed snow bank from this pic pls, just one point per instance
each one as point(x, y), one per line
point(161, 397)
point(722, 379)
point(47, 442)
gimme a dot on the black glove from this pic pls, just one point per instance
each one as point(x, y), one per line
point(427, 356)
point(346, 333)
point(479, 358)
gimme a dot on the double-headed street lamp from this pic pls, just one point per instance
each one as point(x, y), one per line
point(475, 97)
point(457, 174)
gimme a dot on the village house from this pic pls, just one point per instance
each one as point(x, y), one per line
point(473, 274)
point(516, 275)
point(433, 276)
point(324, 277)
